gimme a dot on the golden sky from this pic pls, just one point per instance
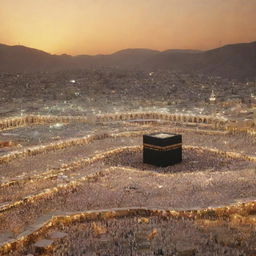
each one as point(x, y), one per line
point(105, 26)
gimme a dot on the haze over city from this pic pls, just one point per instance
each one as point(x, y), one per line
point(101, 26)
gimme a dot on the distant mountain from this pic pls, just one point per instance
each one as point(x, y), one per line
point(23, 59)
point(125, 58)
point(131, 57)
point(237, 60)
point(231, 61)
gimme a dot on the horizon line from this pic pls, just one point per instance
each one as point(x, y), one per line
point(135, 48)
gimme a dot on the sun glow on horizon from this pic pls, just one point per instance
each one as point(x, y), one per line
point(101, 26)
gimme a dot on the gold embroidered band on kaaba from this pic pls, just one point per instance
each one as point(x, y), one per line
point(169, 147)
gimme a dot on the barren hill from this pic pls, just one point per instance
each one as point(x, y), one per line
point(231, 61)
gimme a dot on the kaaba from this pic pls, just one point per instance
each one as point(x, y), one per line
point(162, 149)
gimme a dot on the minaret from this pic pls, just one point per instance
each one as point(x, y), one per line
point(212, 100)
point(212, 97)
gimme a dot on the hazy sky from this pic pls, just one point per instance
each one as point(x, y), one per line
point(105, 26)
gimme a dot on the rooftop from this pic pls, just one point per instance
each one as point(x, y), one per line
point(163, 135)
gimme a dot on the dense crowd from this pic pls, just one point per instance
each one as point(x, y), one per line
point(146, 236)
point(203, 179)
